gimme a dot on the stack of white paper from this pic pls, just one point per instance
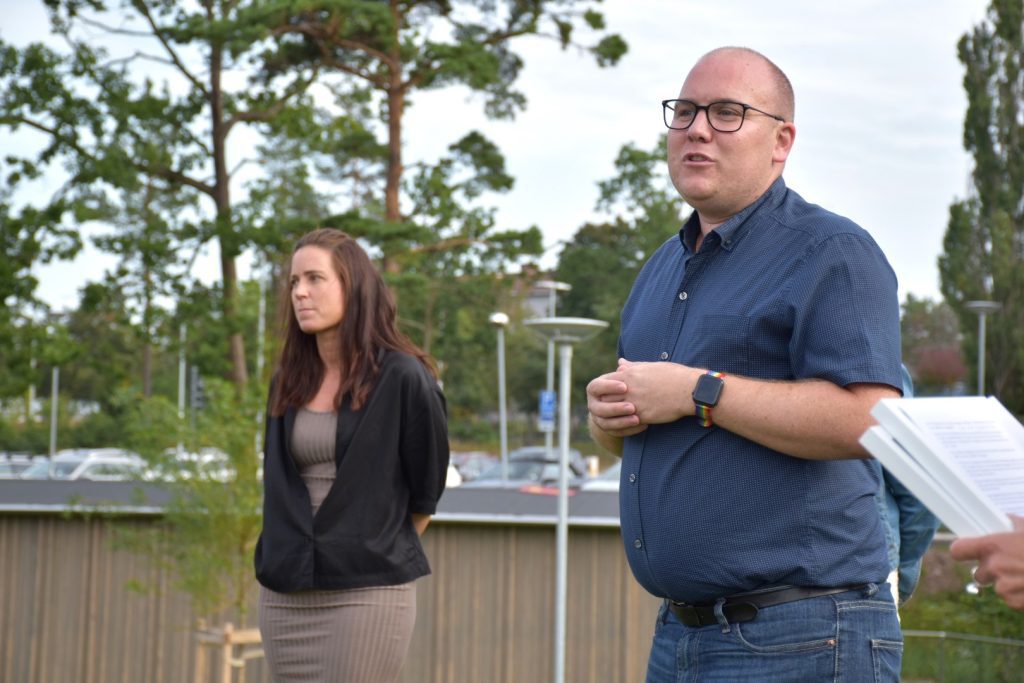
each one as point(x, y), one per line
point(963, 457)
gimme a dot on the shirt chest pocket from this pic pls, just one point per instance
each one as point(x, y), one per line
point(720, 342)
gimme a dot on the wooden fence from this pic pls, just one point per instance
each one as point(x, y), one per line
point(67, 612)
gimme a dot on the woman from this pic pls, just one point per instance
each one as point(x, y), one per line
point(355, 460)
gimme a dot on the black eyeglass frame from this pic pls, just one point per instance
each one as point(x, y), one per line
point(666, 107)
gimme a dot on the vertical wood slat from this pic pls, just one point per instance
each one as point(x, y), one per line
point(486, 614)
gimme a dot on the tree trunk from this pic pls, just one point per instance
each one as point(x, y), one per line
point(396, 105)
point(222, 200)
point(428, 318)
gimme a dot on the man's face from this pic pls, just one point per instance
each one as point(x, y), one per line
point(719, 174)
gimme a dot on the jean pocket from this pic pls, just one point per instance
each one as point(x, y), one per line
point(801, 626)
point(887, 657)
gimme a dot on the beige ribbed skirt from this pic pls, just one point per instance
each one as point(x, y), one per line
point(350, 636)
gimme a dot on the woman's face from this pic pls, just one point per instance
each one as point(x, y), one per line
point(317, 299)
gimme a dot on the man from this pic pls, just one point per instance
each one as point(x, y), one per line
point(1000, 560)
point(909, 525)
point(753, 346)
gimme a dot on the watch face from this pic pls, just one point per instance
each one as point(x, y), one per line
point(708, 390)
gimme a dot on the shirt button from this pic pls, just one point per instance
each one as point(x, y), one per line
point(632, 477)
point(682, 296)
point(664, 355)
point(638, 544)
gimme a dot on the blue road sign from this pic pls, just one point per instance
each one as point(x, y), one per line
point(547, 410)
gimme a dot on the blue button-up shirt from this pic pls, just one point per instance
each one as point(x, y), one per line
point(784, 290)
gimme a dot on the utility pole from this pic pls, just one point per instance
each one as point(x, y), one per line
point(181, 387)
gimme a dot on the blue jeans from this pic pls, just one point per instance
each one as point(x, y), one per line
point(849, 637)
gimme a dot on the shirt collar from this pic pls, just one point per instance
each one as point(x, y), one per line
point(730, 232)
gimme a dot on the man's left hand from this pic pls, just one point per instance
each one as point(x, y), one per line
point(1000, 560)
point(661, 392)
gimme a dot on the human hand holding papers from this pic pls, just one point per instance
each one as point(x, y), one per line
point(963, 457)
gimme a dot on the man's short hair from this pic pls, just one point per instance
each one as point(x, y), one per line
point(780, 81)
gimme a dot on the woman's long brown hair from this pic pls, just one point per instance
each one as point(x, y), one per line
point(369, 324)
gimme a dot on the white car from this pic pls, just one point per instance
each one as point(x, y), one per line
point(606, 481)
point(95, 464)
point(207, 463)
point(531, 466)
point(454, 477)
point(13, 464)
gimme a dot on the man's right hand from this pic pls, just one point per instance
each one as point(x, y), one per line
point(610, 413)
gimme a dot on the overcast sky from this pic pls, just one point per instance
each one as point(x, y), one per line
point(880, 108)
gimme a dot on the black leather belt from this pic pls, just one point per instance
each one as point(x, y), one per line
point(744, 607)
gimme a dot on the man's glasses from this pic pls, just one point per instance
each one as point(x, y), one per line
point(724, 116)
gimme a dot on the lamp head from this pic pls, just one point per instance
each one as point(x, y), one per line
point(983, 307)
point(566, 330)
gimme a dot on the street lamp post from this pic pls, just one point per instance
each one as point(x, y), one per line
point(181, 388)
point(982, 308)
point(564, 332)
point(553, 288)
point(54, 396)
point(500, 321)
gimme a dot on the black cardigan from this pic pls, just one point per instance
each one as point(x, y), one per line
point(395, 465)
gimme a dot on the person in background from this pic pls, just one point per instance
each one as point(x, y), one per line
point(753, 345)
point(355, 460)
point(1000, 559)
point(909, 525)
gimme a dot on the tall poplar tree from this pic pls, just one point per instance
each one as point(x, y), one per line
point(984, 244)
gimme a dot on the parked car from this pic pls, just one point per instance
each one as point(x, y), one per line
point(606, 481)
point(96, 464)
point(472, 463)
point(208, 463)
point(531, 465)
point(13, 464)
point(453, 478)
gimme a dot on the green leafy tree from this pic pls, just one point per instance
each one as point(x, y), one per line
point(106, 359)
point(283, 204)
point(930, 335)
point(199, 309)
point(381, 53)
point(213, 518)
point(151, 229)
point(112, 126)
point(435, 277)
point(602, 260)
point(437, 242)
point(984, 243)
point(29, 236)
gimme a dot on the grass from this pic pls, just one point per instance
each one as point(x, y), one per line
point(941, 604)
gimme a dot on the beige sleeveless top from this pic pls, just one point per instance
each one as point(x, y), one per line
point(312, 448)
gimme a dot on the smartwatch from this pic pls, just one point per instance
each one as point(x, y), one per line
point(706, 394)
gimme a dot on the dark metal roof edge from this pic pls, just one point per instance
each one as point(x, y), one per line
point(533, 520)
point(82, 509)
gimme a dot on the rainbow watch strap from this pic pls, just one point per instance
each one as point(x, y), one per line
point(704, 412)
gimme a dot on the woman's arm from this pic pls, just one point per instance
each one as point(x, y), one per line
point(420, 522)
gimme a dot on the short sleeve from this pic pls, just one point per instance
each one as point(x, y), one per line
point(847, 327)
